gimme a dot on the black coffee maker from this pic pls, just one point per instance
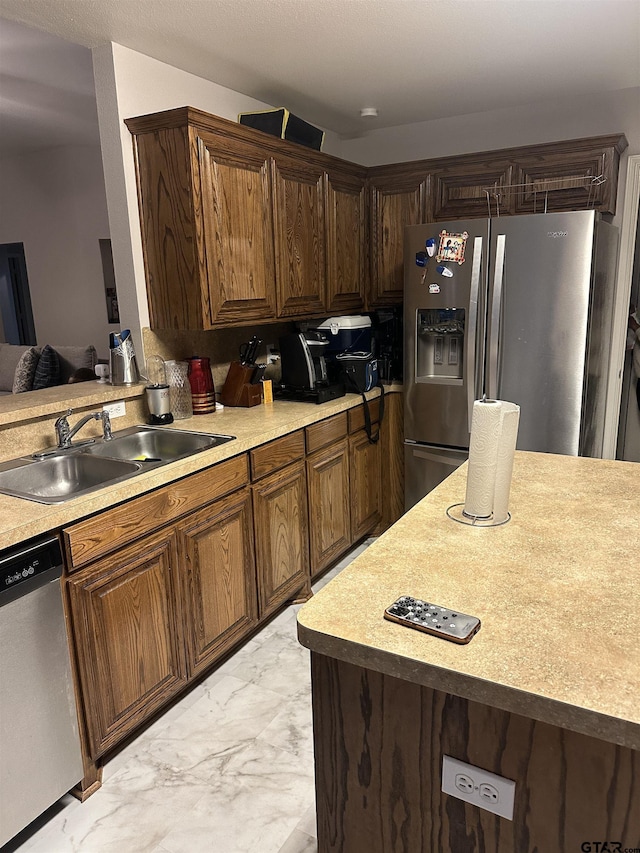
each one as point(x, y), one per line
point(304, 368)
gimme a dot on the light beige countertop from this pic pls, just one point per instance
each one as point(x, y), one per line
point(557, 590)
point(17, 408)
point(22, 519)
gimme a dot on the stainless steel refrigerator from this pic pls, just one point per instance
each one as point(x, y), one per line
point(518, 308)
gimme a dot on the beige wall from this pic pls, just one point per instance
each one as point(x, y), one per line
point(591, 115)
point(53, 201)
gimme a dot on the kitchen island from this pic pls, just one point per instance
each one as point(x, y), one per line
point(546, 694)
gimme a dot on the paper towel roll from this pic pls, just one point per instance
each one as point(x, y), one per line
point(494, 430)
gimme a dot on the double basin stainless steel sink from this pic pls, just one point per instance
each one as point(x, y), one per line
point(76, 471)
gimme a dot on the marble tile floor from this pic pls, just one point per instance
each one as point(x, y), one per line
point(228, 769)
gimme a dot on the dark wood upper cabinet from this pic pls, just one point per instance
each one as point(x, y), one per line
point(397, 198)
point(237, 232)
point(577, 175)
point(170, 223)
point(346, 220)
point(570, 175)
point(206, 216)
point(239, 226)
point(465, 190)
point(299, 237)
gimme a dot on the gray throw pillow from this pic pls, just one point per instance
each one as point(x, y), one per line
point(48, 370)
point(10, 355)
point(26, 370)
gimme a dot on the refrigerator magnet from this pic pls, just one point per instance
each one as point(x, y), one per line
point(452, 246)
point(445, 271)
point(430, 246)
point(434, 287)
point(421, 259)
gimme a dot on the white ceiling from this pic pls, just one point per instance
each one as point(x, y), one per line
point(414, 60)
point(47, 95)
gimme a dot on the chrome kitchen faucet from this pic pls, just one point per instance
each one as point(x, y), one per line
point(65, 433)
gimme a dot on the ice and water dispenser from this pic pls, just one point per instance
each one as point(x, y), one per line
point(440, 343)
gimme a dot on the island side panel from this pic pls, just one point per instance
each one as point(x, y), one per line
point(379, 743)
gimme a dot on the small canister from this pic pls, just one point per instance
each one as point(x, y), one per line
point(158, 399)
point(203, 395)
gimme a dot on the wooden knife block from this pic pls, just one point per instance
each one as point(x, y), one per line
point(238, 390)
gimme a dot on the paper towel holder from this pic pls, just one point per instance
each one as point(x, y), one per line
point(494, 431)
point(456, 513)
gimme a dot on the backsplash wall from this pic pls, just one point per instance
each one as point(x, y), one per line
point(23, 438)
point(221, 346)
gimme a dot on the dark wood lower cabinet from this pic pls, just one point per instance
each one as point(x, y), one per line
point(150, 616)
point(128, 637)
point(217, 568)
point(329, 505)
point(365, 477)
point(379, 743)
point(355, 485)
point(281, 535)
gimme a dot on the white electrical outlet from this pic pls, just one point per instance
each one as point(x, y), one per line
point(272, 354)
point(116, 410)
point(479, 787)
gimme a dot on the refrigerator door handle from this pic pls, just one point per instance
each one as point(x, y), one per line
point(494, 322)
point(472, 331)
point(443, 456)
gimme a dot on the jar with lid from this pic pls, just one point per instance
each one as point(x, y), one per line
point(179, 389)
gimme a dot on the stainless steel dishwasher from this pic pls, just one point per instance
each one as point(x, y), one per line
point(39, 743)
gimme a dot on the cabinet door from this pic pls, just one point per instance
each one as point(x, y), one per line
point(346, 268)
point(171, 239)
point(329, 505)
point(581, 178)
point(238, 230)
point(281, 536)
point(366, 484)
point(299, 238)
point(128, 638)
point(218, 570)
point(396, 201)
point(473, 189)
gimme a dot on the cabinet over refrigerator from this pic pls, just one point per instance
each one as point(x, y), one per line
point(518, 308)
